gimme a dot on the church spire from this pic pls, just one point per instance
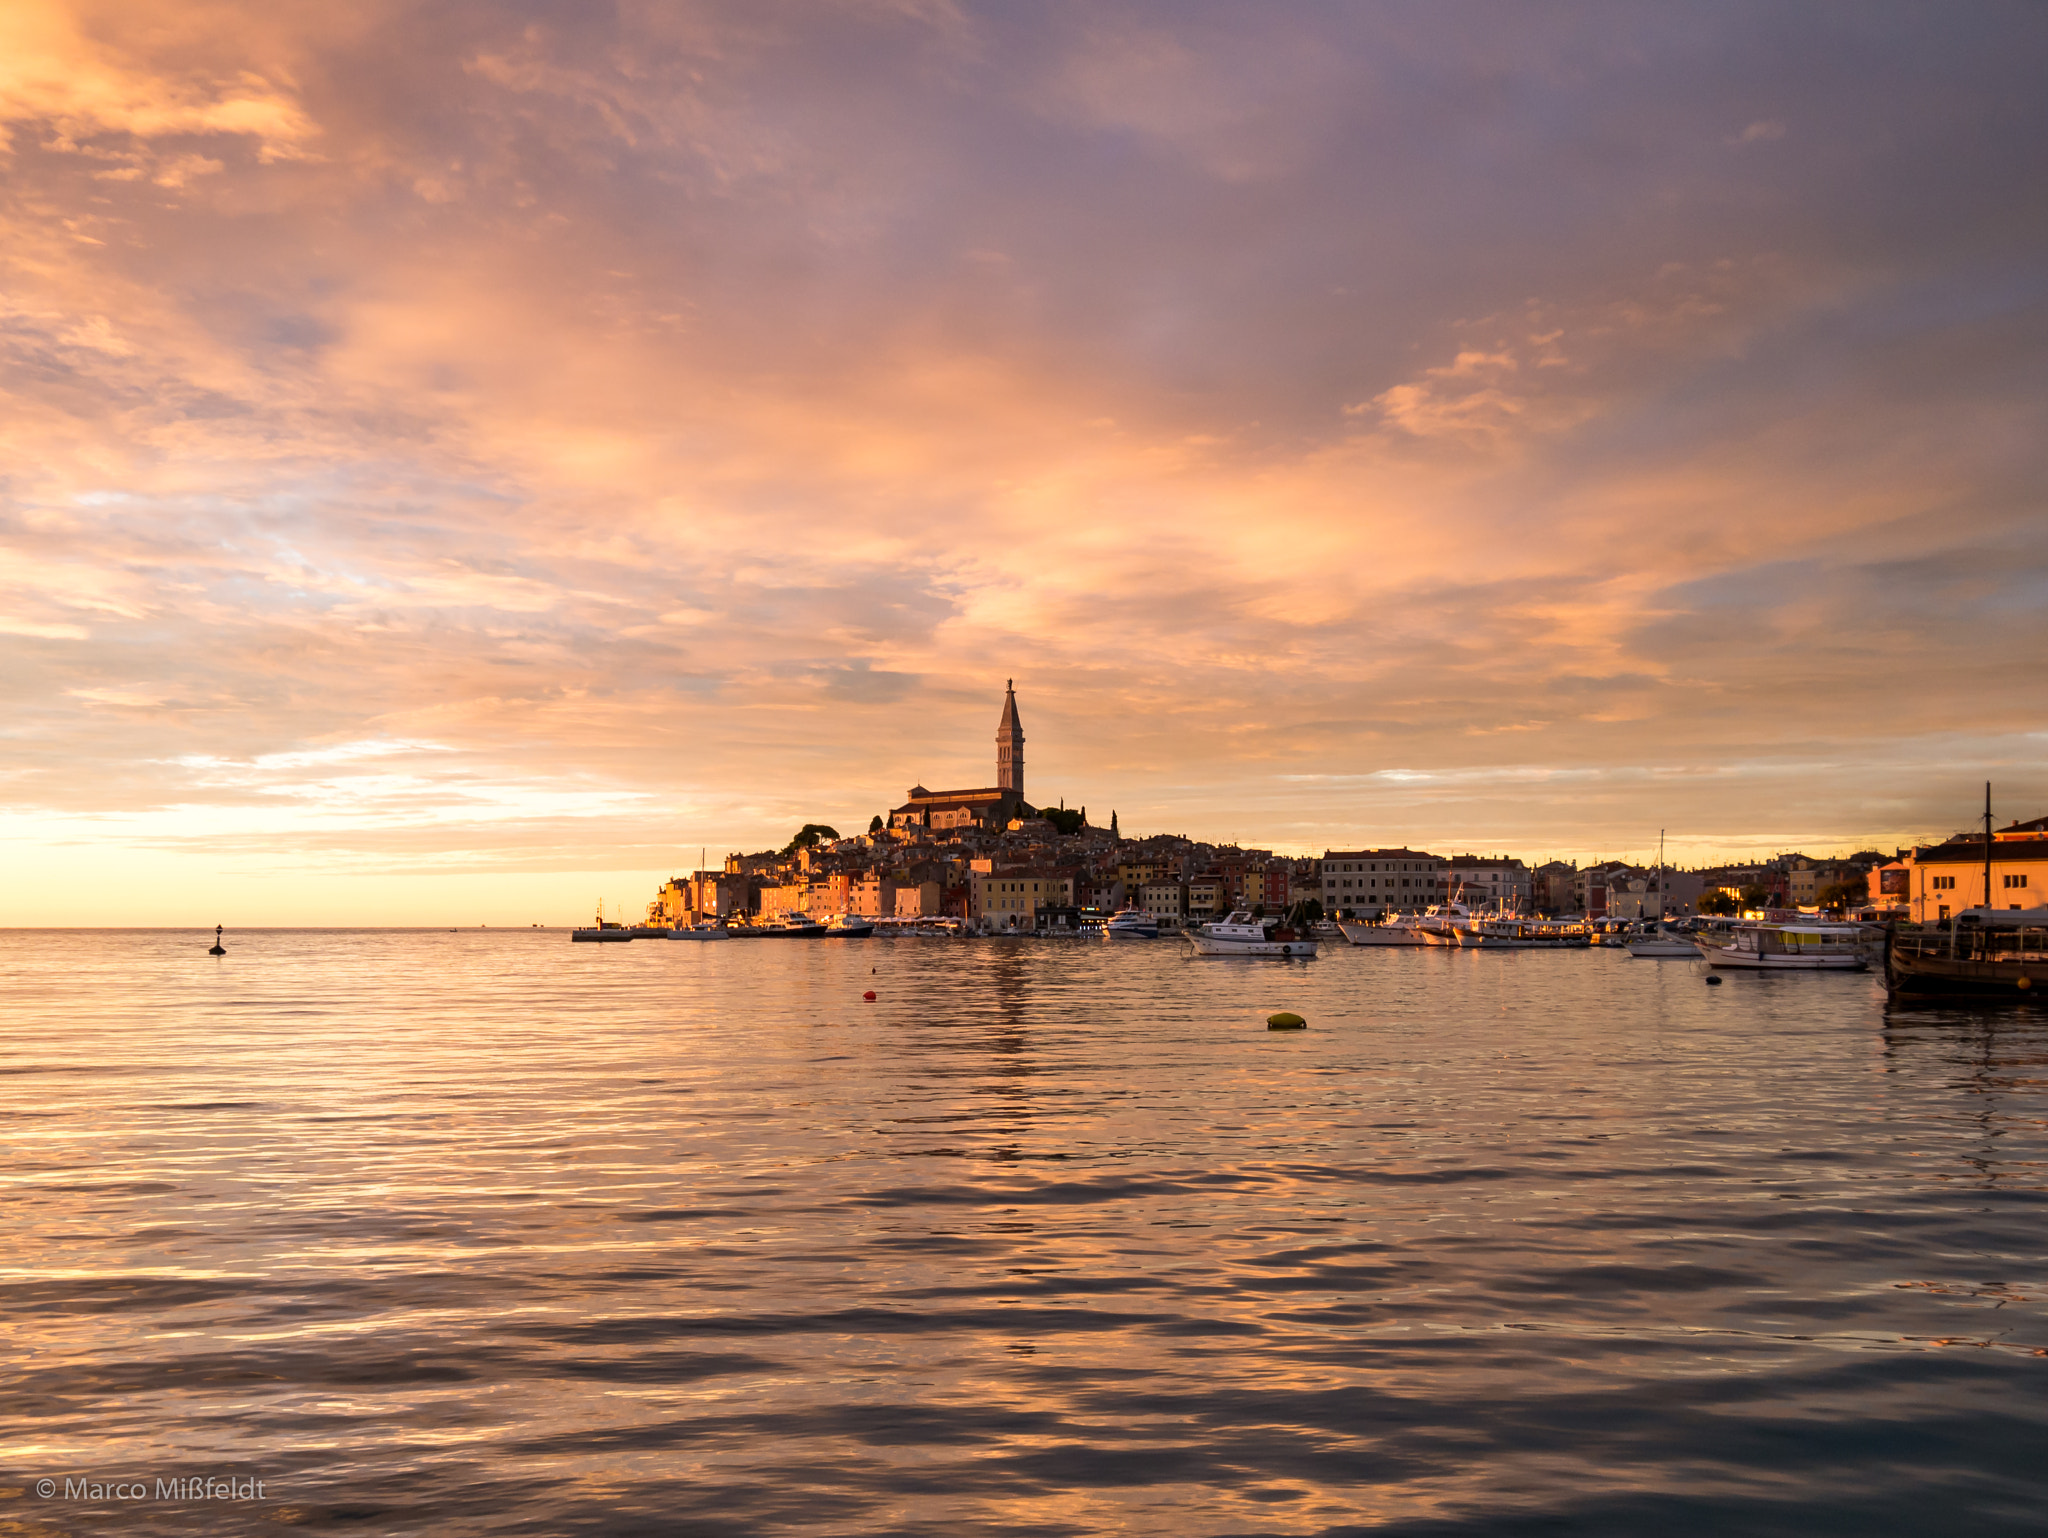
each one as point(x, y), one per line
point(1010, 745)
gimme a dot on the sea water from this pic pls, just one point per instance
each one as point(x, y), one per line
point(489, 1233)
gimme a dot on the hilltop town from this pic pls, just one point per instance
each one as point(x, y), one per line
point(986, 856)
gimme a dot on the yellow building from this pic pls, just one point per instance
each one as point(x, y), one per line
point(1010, 899)
point(1944, 879)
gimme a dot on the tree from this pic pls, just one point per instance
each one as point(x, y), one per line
point(1304, 913)
point(1849, 893)
point(809, 837)
point(1717, 902)
point(1064, 822)
point(875, 823)
point(1755, 897)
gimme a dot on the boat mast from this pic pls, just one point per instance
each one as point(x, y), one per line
point(1660, 880)
point(1987, 846)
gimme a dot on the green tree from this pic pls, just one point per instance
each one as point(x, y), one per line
point(1717, 902)
point(1755, 897)
point(1064, 822)
point(875, 823)
point(809, 837)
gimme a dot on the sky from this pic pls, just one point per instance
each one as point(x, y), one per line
point(457, 461)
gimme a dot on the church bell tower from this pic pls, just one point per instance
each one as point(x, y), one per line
point(1010, 745)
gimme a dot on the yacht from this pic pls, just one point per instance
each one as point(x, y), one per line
point(1131, 924)
point(1401, 930)
point(1242, 935)
point(849, 926)
point(1811, 947)
point(791, 926)
point(1440, 924)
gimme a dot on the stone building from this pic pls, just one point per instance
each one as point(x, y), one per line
point(991, 807)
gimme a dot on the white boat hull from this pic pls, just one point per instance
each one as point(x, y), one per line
point(1661, 950)
point(1382, 934)
point(1840, 962)
point(1284, 950)
point(695, 932)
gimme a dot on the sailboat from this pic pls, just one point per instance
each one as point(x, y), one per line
point(1663, 943)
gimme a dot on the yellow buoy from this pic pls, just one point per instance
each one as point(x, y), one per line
point(1286, 1021)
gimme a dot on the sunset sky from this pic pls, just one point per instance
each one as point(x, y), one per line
point(460, 459)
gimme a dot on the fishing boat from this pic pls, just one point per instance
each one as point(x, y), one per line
point(1131, 924)
point(1803, 947)
point(1982, 953)
point(1401, 931)
point(1242, 935)
point(603, 930)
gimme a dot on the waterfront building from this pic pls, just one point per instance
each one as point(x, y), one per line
point(1011, 899)
point(1166, 901)
point(1944, 879)
point(1369, 882)
point(919, 900)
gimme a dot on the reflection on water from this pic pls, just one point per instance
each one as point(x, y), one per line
point(488, 1233)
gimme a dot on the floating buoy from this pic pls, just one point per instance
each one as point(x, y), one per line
point(217, 949)
point(1713, 981)
point(1286, 1020)
point(2025, 982)
point(869, 995)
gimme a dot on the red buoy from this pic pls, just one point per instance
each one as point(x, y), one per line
point(869, 995)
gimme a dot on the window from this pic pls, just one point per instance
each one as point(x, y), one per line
point(2015, 881)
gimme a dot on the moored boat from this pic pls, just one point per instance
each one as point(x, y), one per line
point(1401, 931)
point(1984, 953)
point(1813, 947)
point(1242, 935)
point(849, 926)
point(704, 929)
point(1131, 924)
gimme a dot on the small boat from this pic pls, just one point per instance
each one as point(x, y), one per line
point(849, 926)
point(1814, 947)
point(1402, 931)
point(1661, 942)
point(1131, 924)
point(704, 929)
point(1242, 935)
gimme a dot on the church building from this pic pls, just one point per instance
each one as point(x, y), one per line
point(991, 807)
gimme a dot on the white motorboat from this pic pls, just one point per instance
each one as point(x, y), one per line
point(1796, 948)
point(1242, 935)
point(849, 926)
point(1439, 925)
point(1131, 924)
point(1395, 931)
point(702, 930)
